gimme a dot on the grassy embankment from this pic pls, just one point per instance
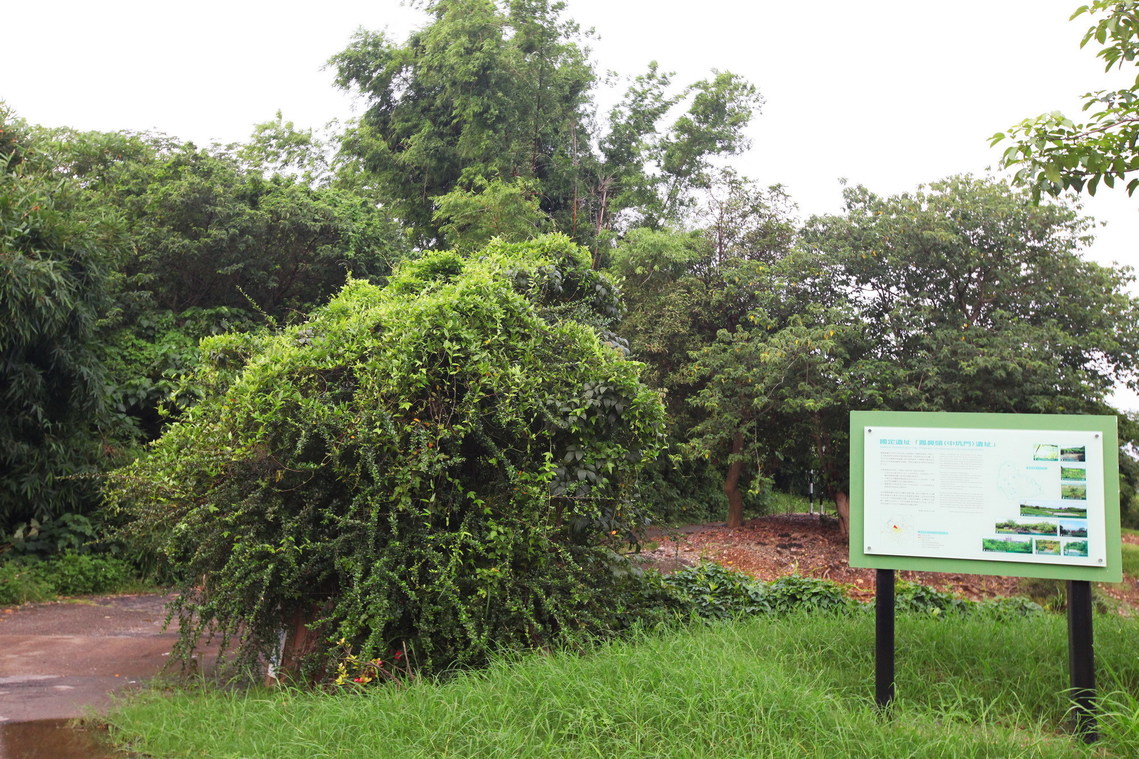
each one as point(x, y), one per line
point(792, 687)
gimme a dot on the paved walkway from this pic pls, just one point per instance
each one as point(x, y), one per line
point(59, 660)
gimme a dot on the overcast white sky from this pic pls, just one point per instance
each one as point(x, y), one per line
point(886, 93)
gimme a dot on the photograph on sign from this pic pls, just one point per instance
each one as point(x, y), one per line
point(1034, 496)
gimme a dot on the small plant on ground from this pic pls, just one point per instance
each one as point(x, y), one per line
point(914, 597)
point(352, 671)
point(712, 591)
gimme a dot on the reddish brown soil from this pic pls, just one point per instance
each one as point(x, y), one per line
point(812, 546)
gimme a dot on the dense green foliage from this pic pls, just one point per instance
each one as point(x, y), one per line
point(215, 245)
point(208, 231)
point(433, 464)
point(793, 686)
point(963, 296)
point(364, 444)
point(56, 251)
point(119, 252)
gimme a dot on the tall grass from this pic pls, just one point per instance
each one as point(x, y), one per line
point(770, 687)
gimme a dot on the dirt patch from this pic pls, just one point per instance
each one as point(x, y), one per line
point(812, 546)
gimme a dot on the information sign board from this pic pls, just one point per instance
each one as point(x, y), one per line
point(1009, 494)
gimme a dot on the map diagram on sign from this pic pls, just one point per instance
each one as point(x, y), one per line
point(1014, 482)
point(896, 530)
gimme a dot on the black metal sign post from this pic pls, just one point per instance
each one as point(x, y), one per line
point(1081, 653)
point(884, 638)
point(1081, 657)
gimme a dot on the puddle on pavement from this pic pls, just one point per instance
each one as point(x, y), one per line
point(52, 739)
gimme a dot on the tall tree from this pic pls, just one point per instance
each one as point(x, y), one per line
point(976, 298)
point(498, 91)
point(486, 90)
point(685, 288)
point(982, 298)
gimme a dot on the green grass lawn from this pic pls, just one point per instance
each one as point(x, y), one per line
point(794, 687)
point(1131, 561)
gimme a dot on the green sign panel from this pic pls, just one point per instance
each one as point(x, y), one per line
point(1025, 495)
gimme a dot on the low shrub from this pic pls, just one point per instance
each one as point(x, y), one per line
point(796, 593)
point(1012, 606)
point(712, 591)
point(914, 598)
point(28, 580)
point(22, 582)
point(716, 592)
point(922, 599)
point(74, 574)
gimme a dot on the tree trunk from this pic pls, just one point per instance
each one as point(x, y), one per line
point(301, 638)
point(300, 641)
point(842, 506)
point(732, 483)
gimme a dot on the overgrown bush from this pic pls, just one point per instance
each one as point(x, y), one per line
point(434, 466)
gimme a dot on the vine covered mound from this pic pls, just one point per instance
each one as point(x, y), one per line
point(435, 466)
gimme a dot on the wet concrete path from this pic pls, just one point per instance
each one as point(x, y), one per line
point(65, 659)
